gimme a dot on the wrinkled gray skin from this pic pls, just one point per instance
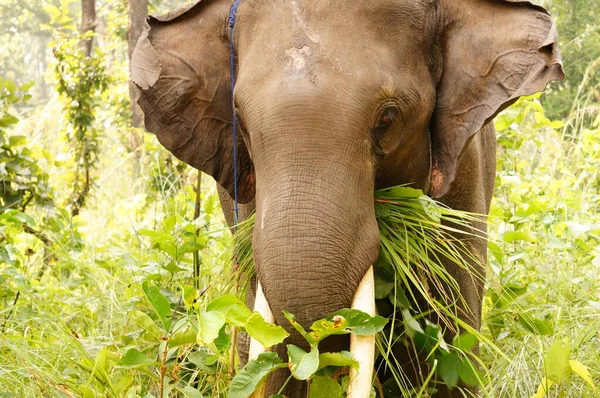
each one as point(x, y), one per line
point(336, 99)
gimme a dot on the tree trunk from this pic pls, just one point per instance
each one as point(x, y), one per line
point(138, 12)
point(88, 24)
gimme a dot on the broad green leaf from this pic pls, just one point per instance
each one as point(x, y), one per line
point(343, 358)
point(254, 373)
point(142, 320)
point(303, 364)
point(234, 310)
point(325, 387)
point(19, 217)
point(448, 366)
point(468, 373)
point(543, 388)
point(190, 295)
point(209, 325)
point(173, 268)
point(190, 392)
point(123, 383)
point(182, 337)
point(326, 327)
point(238, 314)
point(291, 318)
point(512, 236)
point(582, 371)
point(135, 359)
point(534, 325)
point(264, 332)
point(411, 325)
point(430, 207)
point(159, 303)
point(383, 288)
point(556, 361)
point(16, 140)
point(359, 322)
point(203, 361)
point(464, 341)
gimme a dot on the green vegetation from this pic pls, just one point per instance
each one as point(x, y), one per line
point(102, 302)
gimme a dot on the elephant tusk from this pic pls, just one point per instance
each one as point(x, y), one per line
point(262, 307)
point(362, 348)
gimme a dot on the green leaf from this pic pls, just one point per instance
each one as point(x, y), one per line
point(264, 332)
point(238, 314)
point(8, 120)
point(325, 387)
point(345, 321)
point(209, 325)
point(253, 374)
point(291, 318)
point(464, 341)
point(326, 327)
point(135, 359)
point(16, 140)
point(430, 207)
point(468, 373)
point(556, 361)
point(183, 337)
point(190, 392)
point(543, 388)
point(512, 236)
point(234, 310)
point(383, 288)
point(582, 371)
point(173, 268)
point(142, 320)
point(411, 325)
point(303, 364)
point(341, 359)
point(190, 295)
point(19, 217)
point(448, 366)
point(159, 304)
point(534, 325)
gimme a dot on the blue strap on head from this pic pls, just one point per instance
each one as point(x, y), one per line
point(232, 15)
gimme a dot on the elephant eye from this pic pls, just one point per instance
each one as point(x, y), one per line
point(386, 119)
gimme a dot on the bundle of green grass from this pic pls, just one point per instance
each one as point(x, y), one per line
point(412, 288)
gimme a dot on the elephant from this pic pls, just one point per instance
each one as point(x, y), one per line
point(333, 100)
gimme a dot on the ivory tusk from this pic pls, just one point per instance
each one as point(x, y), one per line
point(262, 307)
point(363, 347)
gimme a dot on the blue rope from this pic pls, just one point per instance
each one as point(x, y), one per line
point(232, 15)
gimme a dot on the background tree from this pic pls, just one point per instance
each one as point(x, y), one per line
point(88, 25)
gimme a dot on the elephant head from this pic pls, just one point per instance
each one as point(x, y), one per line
point(334, 99)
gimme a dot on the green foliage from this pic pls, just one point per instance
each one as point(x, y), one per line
point(80, 81)
point(309, 365)
point(545, 219)
point(21, 179)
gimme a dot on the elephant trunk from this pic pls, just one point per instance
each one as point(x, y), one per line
point(312, 249)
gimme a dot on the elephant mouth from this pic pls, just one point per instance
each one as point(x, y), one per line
point(362, 348)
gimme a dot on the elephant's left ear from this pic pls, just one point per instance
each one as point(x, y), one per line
point(494, 51)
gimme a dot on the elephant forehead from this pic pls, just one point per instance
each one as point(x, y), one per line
point(300, 62)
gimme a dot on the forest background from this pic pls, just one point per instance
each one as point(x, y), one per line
point(93, 211)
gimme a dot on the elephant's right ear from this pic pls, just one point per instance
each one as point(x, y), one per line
point(181, 64)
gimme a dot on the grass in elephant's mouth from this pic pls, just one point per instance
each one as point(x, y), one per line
point(413, 289)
